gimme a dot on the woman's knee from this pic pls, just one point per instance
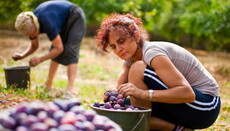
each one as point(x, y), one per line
point(137, 69)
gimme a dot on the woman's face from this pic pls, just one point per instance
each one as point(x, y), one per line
point(123, 46)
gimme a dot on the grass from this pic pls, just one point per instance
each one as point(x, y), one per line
point(96, 73)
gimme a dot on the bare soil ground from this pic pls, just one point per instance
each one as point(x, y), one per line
point(217, 63)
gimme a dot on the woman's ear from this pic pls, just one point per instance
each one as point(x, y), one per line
point(137, 36)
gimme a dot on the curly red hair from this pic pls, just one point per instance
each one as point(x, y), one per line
point(123, 24)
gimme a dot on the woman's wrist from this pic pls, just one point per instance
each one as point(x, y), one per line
point(151, 92)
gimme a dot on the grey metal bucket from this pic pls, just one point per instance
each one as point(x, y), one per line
point(136, 120)
point(18, 77)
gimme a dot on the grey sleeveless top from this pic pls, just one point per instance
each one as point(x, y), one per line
point(190, 67)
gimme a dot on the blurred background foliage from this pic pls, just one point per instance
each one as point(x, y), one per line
point(200, 24)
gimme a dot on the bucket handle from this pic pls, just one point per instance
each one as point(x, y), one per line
point(138, 122)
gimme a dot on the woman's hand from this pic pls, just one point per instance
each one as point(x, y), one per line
point(128, 89)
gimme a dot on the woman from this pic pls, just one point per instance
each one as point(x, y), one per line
point(160, 75)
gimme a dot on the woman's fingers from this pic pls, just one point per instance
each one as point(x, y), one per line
point(126, 89)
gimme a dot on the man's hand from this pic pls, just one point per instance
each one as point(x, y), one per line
point(35, 61)
point(17, 56)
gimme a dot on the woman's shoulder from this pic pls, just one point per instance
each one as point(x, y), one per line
point(154, 44)
point(158, 43)
point(163, 45)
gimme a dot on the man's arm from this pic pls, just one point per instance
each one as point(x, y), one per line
point(57, 49)
point(54, 52)
point(30, 50)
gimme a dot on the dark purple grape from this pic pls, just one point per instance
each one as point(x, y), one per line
point(107, 94)
point(113, 93)
point(109, 125)
point(68, 118)
point(21, 108)
point(98, 122)
point(112, 129)
point(22, 128)
point(39, 127)
point(96, 104)
point(107, 105)
point(112, 98)
point(117, 106)
point(62, 104)
point(35, 107)
point(29, 120)
point(58, 115)
point(80, 118)
point(128, 109)
point(51, 108)
point(89, 114)
point(51, 123)
point(1, 119)
point(67, 127)
point(87, 126)
point(120, 101)
point(20, 117)
point(78, 109)
point(42, 115)
point(122, 108)
point(73, 102)
point(78, 125)
point(53, 129)
point(120, 96)
point(8, 123)
point(130, 106)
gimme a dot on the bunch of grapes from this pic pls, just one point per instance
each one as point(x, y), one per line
point(115, 101)
point(58, 115)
